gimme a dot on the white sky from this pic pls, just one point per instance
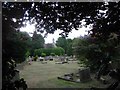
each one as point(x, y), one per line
point(49, 39)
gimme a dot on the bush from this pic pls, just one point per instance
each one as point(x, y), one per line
point(37, 52)
point(27, 54)
point(43, 54)
point(36, 57)
point(52, 54)
point(49, 51)
point(58, 51)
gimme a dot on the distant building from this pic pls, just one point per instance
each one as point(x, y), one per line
point(50, 45)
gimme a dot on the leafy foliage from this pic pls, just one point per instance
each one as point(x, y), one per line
point(52, 16)
point(15, 45)
point(36, 42)
point(52, 54)
point(69, 47)
point(43, 54)
point(94, 54)
point(66, 44)
point(62, 42)
point(49, 51)
point(27, 54)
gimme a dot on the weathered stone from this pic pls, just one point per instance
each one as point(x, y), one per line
point(84, 75)
point(68, 77)
point(47, 58)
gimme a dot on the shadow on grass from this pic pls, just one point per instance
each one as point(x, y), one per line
point(56, 83)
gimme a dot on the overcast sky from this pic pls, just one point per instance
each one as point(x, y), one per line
point(49, 39)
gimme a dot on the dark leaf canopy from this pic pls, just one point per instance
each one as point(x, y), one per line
point(66, 16)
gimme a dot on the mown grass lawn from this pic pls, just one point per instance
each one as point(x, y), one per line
point(40, 75)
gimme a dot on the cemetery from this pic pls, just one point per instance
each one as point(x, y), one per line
point(60, 45)
point(43, 73)
point(53, 73)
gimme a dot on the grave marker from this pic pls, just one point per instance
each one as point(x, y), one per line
point(84, 74)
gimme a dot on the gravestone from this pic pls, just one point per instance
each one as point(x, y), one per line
point(62, 58)
point(46, 58)
point(41, 58)
point(84, 74)
point(51, 58)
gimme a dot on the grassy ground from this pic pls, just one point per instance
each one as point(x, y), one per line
point(40, 75)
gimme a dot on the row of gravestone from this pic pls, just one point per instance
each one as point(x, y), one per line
point(51, 58)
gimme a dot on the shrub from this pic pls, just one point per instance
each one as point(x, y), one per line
point(37, 52)
point(27, 54)
point(52, 54)
point(49, 51)
point(43, 54)
point(36, 57)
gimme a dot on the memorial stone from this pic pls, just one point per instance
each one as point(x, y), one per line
point(84, 74)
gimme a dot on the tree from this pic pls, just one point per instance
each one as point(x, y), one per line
point(62, 42)
point(66, 16)
point(69, 47)
point(37, 42)
point(14, 47)
point(27, 54)
point(95, 53)
point(66, 44)
point(81, 48)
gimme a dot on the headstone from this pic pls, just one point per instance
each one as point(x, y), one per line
point(84, 74)
point(51, 58)
point(46, 58)
point(41, 58)
point(78, 80)
point(62, 58)
point(68, 77)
